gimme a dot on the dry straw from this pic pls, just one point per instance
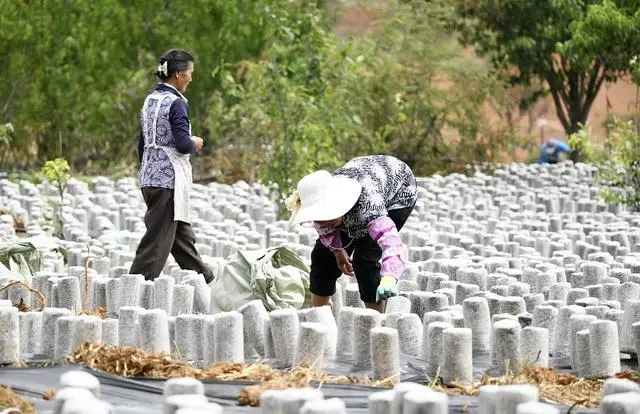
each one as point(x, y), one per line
point(10, 402)
point(554, 387)
point(132, 362)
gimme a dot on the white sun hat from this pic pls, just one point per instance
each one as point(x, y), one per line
point(321, 196)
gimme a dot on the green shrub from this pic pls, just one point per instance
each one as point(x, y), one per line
point(315, 99)
point(620, 173)
point(81, 69)
point(618, 161)
point(58, 173)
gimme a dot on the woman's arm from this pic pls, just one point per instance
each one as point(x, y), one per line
point(179, 120)
point(384, 232)
point(330, 238)
point(140, 145)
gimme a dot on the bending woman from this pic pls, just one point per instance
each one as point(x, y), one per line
point(165, 145)
point(358, 210)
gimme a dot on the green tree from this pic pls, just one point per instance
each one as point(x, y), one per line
point(271, 113)
point(315, 100)
point(76, 73)
point(573, 45)
point(442, 122)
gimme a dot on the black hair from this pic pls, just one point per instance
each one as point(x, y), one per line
point(177, 60)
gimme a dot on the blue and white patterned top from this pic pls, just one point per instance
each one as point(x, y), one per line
point(172, 129)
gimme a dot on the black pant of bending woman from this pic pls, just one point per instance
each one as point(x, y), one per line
point(366, 265)
point(164, 236)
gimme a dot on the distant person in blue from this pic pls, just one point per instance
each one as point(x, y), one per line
point(553, 151)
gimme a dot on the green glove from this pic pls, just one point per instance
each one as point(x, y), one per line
point(388, 287)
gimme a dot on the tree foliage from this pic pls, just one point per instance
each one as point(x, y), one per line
point(275, 92)
point(76, 73)
point(618, 158)
point(573, 45)
point(618, 161)
point(315, 99)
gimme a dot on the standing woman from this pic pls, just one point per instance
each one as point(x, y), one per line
point(165, 145)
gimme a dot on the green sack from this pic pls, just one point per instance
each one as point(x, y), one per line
point(276, 276)
point(23, 256)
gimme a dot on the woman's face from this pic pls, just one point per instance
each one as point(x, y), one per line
point(332, 224)
point(183, 79)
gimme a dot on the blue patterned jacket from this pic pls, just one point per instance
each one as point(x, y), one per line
point(172, 129)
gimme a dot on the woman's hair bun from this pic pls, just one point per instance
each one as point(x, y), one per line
point(172, 61)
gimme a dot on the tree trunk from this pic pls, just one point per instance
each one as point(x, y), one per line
point(573, 95)
point(575, 155)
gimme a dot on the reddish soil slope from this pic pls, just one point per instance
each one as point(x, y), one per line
point(617, 98)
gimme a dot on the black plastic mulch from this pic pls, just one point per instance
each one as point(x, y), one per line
point(144, 395)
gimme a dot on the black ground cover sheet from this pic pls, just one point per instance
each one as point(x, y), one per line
point(144, 395)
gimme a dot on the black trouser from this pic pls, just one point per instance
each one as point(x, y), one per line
point(366, 266)
point(164, 236)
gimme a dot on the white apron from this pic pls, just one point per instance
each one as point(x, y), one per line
point(180, 162)
point(182, 186)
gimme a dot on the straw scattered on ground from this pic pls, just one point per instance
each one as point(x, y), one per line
point(300, 377)
point(554, 387)
point(9, 399)
point(132, 362)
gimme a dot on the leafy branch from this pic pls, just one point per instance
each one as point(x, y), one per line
point(58, 173)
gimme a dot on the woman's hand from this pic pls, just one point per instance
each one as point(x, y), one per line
point(388, 287)
point(197, 142)
point(344, 262)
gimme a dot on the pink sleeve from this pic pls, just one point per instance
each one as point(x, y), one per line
point(330, 238)
point(384, 232)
